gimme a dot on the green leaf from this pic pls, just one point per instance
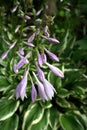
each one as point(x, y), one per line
point(43, 123)
point(62, 102)
point(63, 93)
point(3, 83)
point(53, 119)
point(82, 118)
point(32, 116)
point(7, 108)
point(10, 123)
point(79, 90)
point(2, 63)
point(70, 122)
point(83, 43)
point(56, 81)
point(46, 104)
point(10, 36)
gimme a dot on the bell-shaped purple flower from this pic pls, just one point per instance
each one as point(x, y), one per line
point(40, 89)
point(21, 88)
point(49, 89)
point(55, 70)
point(52, 55)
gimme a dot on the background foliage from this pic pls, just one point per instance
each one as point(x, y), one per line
point(68, 109)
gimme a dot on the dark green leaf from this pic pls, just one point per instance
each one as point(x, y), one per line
point(70, 122)
point(3, 83)
point(82, 43)
point(53, 119)
point(10, 123)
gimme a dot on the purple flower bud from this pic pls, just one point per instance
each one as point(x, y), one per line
point(33, 93)
point(44, 58)
point(31, 38)
point(12, 46)
point(17, 29)
point(37, 31)
point(52, 55)
point(15, 68)
point(22, 62)
point(21, 51)
point(46, 34)
point(55, 70)
point(38, 21)
point(40, 62)
point(14, 9)
point(24, 34)
point(40, 73)
point(30, 44)
point(21, 88)
point(45, 28)
point(40, 89)
point(27, 17)
point(46, 31)
point(4, 55)
point(53, 40)
point(38, 12)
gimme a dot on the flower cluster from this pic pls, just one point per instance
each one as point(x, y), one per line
point(34, 53)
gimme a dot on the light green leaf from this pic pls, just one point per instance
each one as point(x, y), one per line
point(70, 122)
point(7, 108)
point(3, 63)
point(32, 116)
point(10, 123)
point(10, 36)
